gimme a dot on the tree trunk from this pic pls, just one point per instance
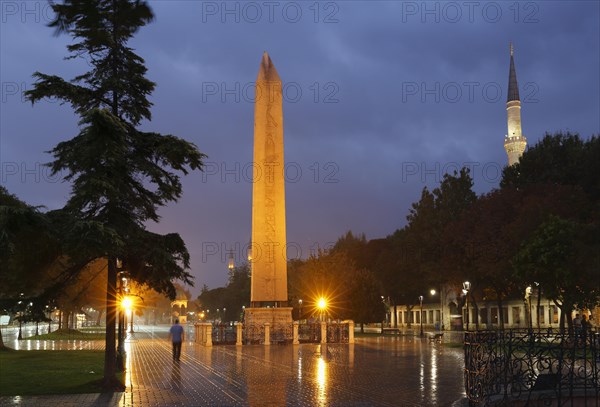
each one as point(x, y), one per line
point(110, 382)
point(395, 315)
point(500, 312)
point(567, 312)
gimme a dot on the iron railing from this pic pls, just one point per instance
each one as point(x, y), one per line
point(253, 334)
point(531, 368)
point(281, 333)
point(337, 332)
point(309, 332)
point(223, 334)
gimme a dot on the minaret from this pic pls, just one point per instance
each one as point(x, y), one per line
point(514, 142)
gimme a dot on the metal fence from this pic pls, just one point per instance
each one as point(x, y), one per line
point(309, 332)
point(532, 368)
point(224, 334)
point(337, 332)
point(253, 334)
point(281, 333)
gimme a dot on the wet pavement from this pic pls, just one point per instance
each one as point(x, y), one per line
point(375, 371)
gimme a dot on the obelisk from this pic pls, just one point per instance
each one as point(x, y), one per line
point(268, 295)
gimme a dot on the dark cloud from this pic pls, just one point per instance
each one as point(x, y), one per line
point(381, 99)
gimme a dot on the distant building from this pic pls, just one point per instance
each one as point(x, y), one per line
point(179, 308)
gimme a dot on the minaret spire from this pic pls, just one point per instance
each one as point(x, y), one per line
point(513, 86)
point(514, 142)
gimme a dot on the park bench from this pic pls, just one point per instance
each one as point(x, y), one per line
point(386, 331)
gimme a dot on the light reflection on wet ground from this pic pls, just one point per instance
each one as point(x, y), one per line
point(380, 371)
point(36, 344)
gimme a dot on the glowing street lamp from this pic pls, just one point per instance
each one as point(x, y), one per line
point(299, 309)
point(126, 303)
point(466, 288)
point(121, 277)
point(322, 305)
point(434, 292)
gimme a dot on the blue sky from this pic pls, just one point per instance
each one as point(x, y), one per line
point(380, 99)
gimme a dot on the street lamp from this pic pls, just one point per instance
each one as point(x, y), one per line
point(300, 309)
point(421, 316)
point(127, 308)
point(121, 321)
point(528, 292)
point(322, 305)
point(466, 288)
point(441, 321)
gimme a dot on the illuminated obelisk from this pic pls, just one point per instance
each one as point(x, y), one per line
point(268, 294)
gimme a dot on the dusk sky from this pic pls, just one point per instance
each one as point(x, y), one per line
point(380, 99)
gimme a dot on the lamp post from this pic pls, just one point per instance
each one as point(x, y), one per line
point(322, 304)
point(299, 309)
point(126, 306)
point(528, 292)
point(121, 321)
point(441, 321)
point(466, 288)
point(421, 316)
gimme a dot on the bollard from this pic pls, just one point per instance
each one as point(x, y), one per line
point(197, 333)
point(296, 339)
point(267, 334)
point(350, 331)
point(208, 335)
point(323, 332)
point(238, 332)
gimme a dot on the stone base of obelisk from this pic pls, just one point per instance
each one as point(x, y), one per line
point(268, 325)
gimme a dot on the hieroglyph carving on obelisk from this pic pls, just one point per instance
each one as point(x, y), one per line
point(269, 263)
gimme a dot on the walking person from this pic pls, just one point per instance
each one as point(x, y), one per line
point(177, 336)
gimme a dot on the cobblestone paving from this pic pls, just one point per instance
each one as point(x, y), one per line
point(379, 371)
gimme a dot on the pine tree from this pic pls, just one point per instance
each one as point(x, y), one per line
point(119, 174)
